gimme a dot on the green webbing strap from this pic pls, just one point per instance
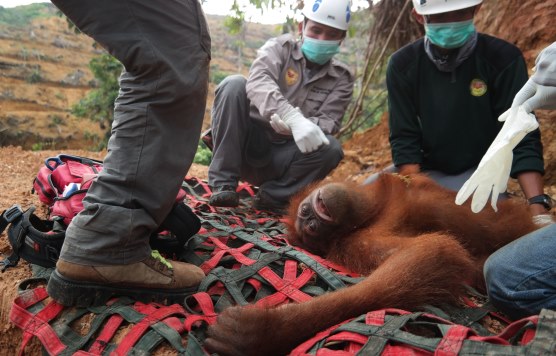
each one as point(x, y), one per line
point(160, 332)
point(379, 336)
point(233, 279)
point(194, 347)
point(75, 341)
point(543, 343)
point(332, 279)
point(156, 333)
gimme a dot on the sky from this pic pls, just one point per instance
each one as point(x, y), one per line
point(214, 7)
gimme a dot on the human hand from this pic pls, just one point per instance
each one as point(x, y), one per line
point(307, 135)
point(491, 176)
point(279, 125)
point(533, 96)
point(540, 91)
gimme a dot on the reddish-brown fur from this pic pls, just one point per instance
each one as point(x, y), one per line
point(407, 234)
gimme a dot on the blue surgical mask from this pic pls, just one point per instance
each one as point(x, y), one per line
point(450, 34)
point(319, 51)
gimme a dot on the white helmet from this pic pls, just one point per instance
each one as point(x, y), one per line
point(431, 7)
point(333, 13)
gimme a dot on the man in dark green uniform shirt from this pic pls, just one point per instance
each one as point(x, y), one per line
point(446, 92)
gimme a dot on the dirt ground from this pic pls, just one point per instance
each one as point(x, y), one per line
point(17, 169)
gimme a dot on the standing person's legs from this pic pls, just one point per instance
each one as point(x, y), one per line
point(230, 129)
point(165, 49)
point(521, 276)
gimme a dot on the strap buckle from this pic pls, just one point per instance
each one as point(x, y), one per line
point(51, 253)
point(13, 213)
point(8, 262)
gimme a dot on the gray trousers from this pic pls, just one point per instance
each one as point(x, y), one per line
point(243, 150)
point(165, 49)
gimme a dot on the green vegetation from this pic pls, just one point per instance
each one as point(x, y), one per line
point(35, 76)
point(216, 76)
point(56, 120)
point(203, 155)
point(23, 15)
point(98, 105)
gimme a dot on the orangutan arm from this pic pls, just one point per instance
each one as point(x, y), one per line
point(422, 270)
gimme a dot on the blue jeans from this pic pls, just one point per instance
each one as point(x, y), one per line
point(521, 277)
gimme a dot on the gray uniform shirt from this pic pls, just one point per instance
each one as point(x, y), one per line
point(279, 81)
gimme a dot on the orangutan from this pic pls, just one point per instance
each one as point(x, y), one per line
point(406, 234)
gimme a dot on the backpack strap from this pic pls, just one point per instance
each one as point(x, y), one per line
point(10, 216)
point(33, 239)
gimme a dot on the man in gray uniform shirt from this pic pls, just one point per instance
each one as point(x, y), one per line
point(274, 129)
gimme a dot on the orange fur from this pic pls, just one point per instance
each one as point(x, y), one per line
point(407, 234)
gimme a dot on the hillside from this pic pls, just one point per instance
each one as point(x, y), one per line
point(44, 72)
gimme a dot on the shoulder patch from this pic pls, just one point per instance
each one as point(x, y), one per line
point(478, 87)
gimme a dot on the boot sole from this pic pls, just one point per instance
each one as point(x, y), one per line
point(224, 199)
point(88, 294)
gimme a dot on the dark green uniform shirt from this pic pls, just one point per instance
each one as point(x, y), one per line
point(446, 121)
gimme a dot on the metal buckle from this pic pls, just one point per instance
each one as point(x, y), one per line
point(13, 213)
point(51, 253)
point(8, 262)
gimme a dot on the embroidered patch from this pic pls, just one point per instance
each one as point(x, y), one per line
point(478, 87)
point(292, 76)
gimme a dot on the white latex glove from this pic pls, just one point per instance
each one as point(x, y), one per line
point(533, 96)
point(307, 135)
point(279, 125)
point(543, 219)
point(491, 176)
point(540, 91)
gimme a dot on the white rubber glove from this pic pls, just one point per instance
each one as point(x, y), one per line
point(491, 176)
point(307, 135)
point(540, 91)
point(543, 219)
point(533, 96)
point(279, 125)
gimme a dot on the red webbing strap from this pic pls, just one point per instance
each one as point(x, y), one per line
point(221, 250)
point(204, 305)
point(247, 187)
point(36, 325)
point(106, 334)
point(155, 316)
point(303, 348)
point(516, 326)
point(451, 343)
point(195, 182)
point(286, 287)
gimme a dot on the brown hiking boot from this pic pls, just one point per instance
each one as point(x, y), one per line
point(153, 279)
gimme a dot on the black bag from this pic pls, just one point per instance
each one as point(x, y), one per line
point(40, 241)
point(33, 239)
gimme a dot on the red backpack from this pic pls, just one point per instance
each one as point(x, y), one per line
point(61, 184)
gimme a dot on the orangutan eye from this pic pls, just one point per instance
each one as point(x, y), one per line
point(312, 226)
point(304, 210)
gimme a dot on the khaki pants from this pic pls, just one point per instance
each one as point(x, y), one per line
point(165, 49)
